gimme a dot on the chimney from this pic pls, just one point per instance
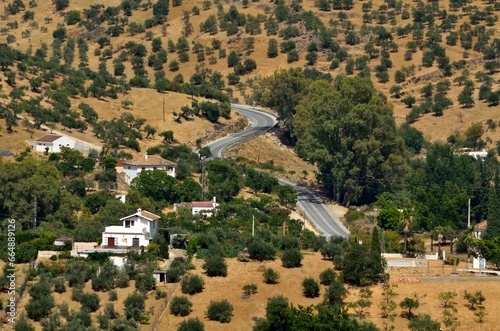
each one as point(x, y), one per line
point(214, 200)
point(139, 210)
point(146, 156)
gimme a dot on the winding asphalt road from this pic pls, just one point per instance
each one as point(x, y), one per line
point(323, 218)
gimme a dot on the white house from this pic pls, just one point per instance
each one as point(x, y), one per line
point(132, 168)
point(204, 206)
point(137, 230)
point(52, 143)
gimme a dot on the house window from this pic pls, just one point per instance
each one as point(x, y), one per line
point(128, 167)
point(128, 224)
point(135, 242)
point(154, 225)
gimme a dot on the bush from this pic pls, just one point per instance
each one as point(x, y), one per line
point(250, 289)
point(191, 324)
point(310, 288)
point(112, 295)
point(122, 280)
point(90, 301)
point(327, 277)
point(215, 266)
point(180, 306)
point(335, 294)
point(134, 306)
point(220, 311)
point(173, 275)
point(40, 308)
point(260, 250)
point(59, 285)
point(192, 284)
point(291, 258)
point(109, 310)
point(159, 294)
point(271, 276)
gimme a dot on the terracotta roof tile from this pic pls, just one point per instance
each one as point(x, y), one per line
point(203, 204)
point(149, 215)
point(49, 138)
point(481, 226)
point(149, 160)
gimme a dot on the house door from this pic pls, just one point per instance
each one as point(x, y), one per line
point(135, 242)
point(111, 242)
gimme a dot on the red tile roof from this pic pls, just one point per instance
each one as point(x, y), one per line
point(49, 138)
point(149, 160)
point(202, 204)
point(481, 226)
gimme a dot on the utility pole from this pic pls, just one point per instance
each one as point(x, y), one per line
point(253, 225)
point(203, 178)
point(34, 216)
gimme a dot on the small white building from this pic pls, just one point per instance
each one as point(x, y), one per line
point(204, 206)
point(52, 143)
point(62, 240)
point(132, 168)
point(137, 230)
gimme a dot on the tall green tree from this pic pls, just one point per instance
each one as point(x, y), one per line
point(493, 229)
point(348, 131)
point(223, 180)
point(282, 92)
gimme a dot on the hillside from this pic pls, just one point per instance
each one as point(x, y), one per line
point(343, 34)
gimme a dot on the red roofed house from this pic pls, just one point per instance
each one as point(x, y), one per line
point(479, 229)
point(137, 230)
point(203, 206)
point(132, 168)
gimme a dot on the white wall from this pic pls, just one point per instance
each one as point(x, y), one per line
point(132, 171)
point(124, 240)
point(63, 141)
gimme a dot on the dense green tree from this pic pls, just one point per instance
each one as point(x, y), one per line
point(223, 180)
point(350, 153)
point(493, 229)
point(310, 288)
point(157, 185)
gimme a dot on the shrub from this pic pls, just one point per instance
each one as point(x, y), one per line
point(291, 258)
point(180, 306)
point(310, 288)
point(112, 295)
point(122, 280)
point(59, 285)
point(159, 294)
point(220, 311)
point(40, 308)
point(260, 250)
point(335, 294)
point(173, 275)
point(215, 266)
point(271, 276)
point(134, 306)
point(327, 277)
point(90, 301)
point(109, 310)
point(191, 324)
point(250, 289)
point(192, 284)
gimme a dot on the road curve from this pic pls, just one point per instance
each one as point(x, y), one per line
point(323, 218)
